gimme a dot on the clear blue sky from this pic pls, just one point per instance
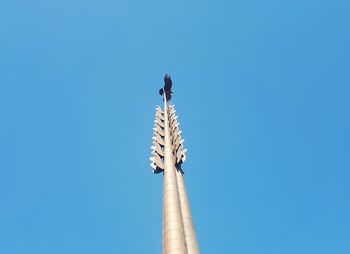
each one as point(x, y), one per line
point(262, 92)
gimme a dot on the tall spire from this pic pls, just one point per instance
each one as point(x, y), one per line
point(168, 155)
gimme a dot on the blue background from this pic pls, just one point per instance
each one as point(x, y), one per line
point(262, 93)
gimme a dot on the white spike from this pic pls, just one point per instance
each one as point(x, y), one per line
point(183, 158)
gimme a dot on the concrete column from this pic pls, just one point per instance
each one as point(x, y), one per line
point(173, 232)
point(190, 235)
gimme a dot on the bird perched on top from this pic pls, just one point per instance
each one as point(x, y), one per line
point(167, 87)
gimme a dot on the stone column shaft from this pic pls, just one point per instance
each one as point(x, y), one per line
point(190, 235)
point(173, 231)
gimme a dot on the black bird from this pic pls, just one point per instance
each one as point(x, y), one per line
point(167, 87)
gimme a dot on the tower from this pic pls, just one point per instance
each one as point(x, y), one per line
point(168, 154)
